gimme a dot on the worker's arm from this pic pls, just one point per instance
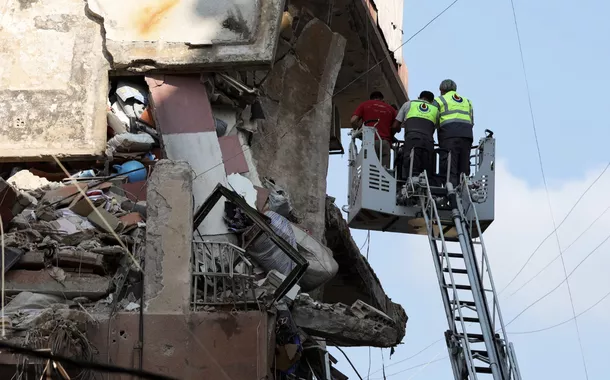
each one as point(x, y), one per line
point(355, 120)
point(400, 117)
point(471, 113)
point(357, 116)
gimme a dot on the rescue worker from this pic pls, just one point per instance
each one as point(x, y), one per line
point(419, 119)
point(377, 109)
point(456, 121)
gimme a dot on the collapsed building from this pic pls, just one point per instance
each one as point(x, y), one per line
point(163, 191)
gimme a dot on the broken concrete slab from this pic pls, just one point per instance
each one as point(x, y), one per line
point(340, 327)
point(104, 220)
point(75, 258)
point(87, 285)
point(12, 201)
point(173, 34)
point(31, 260)
point(57, 105)
point(63, 196)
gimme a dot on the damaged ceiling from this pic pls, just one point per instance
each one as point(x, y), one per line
point(190, 34)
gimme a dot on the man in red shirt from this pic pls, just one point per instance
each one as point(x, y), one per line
point(377, 109)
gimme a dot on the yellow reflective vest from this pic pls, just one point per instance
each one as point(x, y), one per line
point(456, 116)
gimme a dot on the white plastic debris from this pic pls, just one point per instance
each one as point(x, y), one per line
point(132, 306)
point(244, 187)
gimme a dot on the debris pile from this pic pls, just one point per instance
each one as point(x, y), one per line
point(68, 250)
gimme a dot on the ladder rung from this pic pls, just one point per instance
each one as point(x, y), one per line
point(480, 353)
point(454, 255)
point(465, 303)
point(477, 337)
point(468, 319)
point(460, 287)
point(455, 270)
point(482, 369)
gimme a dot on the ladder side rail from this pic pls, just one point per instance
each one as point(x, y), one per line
point(513, 366)
point(475, 283)
point(456, 367)
point(513, 360)
point(485, 257)
point(466, 342)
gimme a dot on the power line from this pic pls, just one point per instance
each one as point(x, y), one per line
point(336, 93)
point(82, 364)
point(556, 257)
point(529, 98)
point(413, 367)
point(566, 321)
point(410, 357)
point(555, 230)
point(558, 285)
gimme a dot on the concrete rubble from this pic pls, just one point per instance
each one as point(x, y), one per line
point(69, 264)
point(345, 326)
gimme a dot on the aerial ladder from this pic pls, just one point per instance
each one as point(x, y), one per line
point(453, 219)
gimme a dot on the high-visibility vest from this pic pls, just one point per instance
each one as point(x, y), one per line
point(455, 115)
point(454, 108)
point(422, 118)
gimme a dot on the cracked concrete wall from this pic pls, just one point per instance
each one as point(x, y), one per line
point(169, 235)
point(292, 145)
point(189, 34)
point(53, 81)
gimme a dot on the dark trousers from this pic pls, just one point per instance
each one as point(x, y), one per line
point(460, 158)
point(423, 150)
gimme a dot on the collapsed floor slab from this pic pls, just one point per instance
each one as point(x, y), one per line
point(343, 327)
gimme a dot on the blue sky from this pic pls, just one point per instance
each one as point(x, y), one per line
point(567, 57)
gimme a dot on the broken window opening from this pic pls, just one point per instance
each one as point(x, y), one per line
point(300, 264)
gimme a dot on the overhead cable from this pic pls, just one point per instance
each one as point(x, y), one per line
point(566, 321)
point(80, 363)
point(558, 285)
point(555, 230)
point(410, 357)
point(556, 257)
point(546, 189)
point(413, 367)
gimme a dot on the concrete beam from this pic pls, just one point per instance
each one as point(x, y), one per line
point(340, 327)
point(169, 235)
point(74, 285)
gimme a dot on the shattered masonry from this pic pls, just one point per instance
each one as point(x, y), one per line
point(145, 145)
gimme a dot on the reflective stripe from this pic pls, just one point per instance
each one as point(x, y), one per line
point(445, 122)
point(444, 104)
point(454, 112)
point(453, 109)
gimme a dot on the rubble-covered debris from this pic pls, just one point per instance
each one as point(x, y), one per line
point(64, 245)
point(343, 325)
point(12, 201)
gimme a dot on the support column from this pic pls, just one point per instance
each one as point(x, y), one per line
point(169, 233)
